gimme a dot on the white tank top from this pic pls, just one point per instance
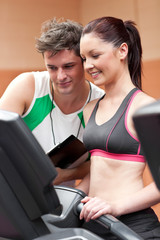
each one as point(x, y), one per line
point(41, 112)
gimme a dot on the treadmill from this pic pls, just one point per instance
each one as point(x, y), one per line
point(30, 206)
point(147, 125)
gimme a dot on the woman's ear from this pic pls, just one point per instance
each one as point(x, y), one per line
point(123, 51)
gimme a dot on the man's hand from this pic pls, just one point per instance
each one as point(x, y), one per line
point(69, 174)
point(63, 175)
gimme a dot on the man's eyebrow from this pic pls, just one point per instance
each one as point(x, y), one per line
point(50, 65)
point(65, 64)
point(68, 63)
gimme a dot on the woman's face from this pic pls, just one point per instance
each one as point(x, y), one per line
point(101, 59)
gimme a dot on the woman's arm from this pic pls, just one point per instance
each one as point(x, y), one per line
point(95, 207)
point(146, 197)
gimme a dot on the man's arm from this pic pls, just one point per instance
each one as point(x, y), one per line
point(19, 94)
point(72, 173)
point(84, 184)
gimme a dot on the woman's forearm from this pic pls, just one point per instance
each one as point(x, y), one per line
point(146, 197)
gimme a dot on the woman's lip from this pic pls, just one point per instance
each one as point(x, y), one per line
point(95, 74)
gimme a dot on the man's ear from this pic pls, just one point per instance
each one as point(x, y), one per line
point(123, 51)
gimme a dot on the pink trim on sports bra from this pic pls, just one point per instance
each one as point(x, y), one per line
point(123, 157)
point(133, 96)
point(139, 147)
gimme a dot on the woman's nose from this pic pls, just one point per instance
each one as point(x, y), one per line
point(88, 65)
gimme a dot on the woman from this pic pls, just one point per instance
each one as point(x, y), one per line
point(111, 51)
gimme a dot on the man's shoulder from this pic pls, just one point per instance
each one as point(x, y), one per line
point(42, 74)
point(41, 77)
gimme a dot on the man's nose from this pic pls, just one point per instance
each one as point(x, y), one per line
point(61, 74)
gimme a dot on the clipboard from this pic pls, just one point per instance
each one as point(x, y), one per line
point(69, 153)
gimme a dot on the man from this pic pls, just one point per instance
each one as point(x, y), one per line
point(51, 102)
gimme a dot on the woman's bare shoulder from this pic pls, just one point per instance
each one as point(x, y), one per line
point(143, 99)
point(88, 109)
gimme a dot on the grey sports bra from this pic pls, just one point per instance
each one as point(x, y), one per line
point(112, 139)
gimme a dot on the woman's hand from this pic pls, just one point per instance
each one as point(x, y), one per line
point(145, 198)
point(94, 208)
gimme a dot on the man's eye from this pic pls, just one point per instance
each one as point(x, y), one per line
point(69, 66)
point(52, 68)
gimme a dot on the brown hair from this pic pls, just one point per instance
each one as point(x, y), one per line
point(59, 35)
point(116, 31)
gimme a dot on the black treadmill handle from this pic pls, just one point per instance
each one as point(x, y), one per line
point(115, 226)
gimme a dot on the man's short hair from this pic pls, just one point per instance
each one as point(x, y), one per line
point(59, 35)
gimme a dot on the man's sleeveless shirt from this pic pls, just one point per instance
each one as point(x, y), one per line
point(38, 115)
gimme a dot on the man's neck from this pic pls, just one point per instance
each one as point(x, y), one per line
point(73, 102)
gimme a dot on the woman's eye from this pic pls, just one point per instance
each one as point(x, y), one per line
point(95, 56)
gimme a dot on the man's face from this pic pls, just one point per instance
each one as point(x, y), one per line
point(65, 70)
